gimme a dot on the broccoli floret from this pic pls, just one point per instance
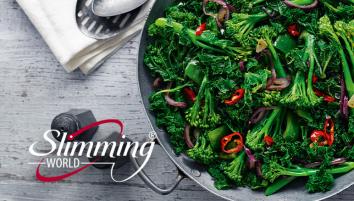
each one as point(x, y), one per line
point(241, 24)
point(300, 95)
point(236, 168)
point(202, 152)
point(269, 126)
point(203, 115)
point(297, 96)
point(310, 57)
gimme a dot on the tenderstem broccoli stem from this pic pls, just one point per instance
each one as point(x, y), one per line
point(178, 28)
point(302, 2)
point(350, 52)
point(279, 184)
point(272, 118)
point(178, 88)
point(347, 74)
point(258, 2)
point(303, 172)
point(277, 64)
point(310, 56)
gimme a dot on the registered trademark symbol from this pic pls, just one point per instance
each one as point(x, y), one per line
point(152, 135)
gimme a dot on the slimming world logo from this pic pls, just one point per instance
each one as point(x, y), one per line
point(68, 151)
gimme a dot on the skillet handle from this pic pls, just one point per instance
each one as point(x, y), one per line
point(152, 184)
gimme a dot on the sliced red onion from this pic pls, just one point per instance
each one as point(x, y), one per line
point(268, 12)
point(259, 114)
point(337, 161)
point(344, 110)
point(275, 83)
point(259, 169)
point(311, 6)
point(278, 84)
point(224, 5)
point(187, 136)
point(242, 66)
point(251, 158)
point(223, 15)
point(174, 103)
point(231, 8)
point(157, 83)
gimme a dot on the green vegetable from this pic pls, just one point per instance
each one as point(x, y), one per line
point(207, 40)
point(322, 181)
point(300, 95)
point(302, 2)
point(292, 129)
point(269, 33)
point(203, 115)
point(326, 29)
point(220, 180)
point(171, 120)
point(285, 43)
point(202, 151)
point(216, 135)
point(242, 24)
point(236, 168)
point(193, 72)
point(278, 184)
point(269, 126)
point(242, 52)
point(273, 170)
point(341, 8)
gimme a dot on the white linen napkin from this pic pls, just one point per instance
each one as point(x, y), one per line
point(55, 20)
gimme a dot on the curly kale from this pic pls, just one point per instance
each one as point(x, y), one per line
point(322, 181)
point(170, 119)
point(221, 182)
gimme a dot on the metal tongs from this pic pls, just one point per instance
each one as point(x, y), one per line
point(108, 8)
point(103, 19)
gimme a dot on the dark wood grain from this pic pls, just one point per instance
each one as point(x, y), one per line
point(34, 88)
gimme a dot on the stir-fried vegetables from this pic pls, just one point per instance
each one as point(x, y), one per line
point(261, 92)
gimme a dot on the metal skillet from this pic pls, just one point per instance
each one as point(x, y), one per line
point(196, 172)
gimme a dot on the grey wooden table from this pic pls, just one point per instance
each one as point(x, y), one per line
point(34, 88)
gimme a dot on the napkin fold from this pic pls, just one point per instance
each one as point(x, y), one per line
point(55, 20)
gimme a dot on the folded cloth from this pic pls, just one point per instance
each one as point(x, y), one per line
point(56, 22)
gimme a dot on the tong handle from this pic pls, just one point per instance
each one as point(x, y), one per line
point(148, 181)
